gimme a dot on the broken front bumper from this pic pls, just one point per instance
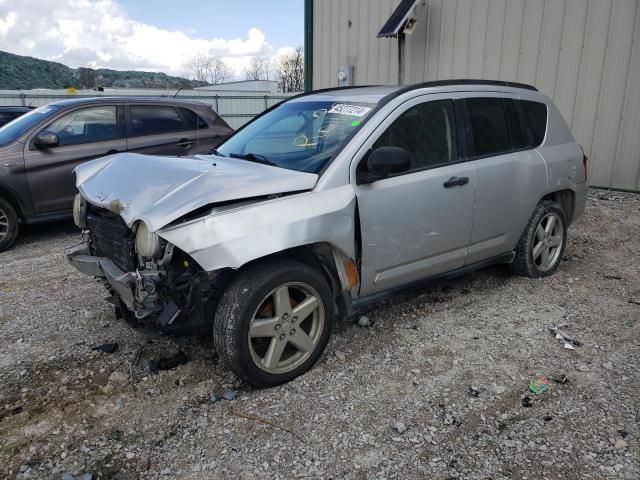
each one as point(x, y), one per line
point(123, 283)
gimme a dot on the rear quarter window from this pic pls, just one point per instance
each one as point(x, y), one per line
point(535, 119)
point(155, 119)
point(194, 121)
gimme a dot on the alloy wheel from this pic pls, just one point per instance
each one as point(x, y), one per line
point(286, 327)
point(548, 241)
point(4, 224)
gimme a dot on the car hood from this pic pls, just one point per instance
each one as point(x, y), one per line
point(159, 190)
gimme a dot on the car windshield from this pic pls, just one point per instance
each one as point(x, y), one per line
point(297, 135)
point(15, 128)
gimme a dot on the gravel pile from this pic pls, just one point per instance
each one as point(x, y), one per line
point(433, 384)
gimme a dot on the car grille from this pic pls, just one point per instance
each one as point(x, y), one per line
point(111, 238)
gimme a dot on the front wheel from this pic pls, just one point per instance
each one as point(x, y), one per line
point(543, 241)
point(273, 322)
point(8, 225)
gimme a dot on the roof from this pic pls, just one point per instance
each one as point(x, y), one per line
point(124, 99)
point(374, 94)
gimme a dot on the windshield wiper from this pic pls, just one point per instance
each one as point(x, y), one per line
point(253, 157)
point(215, 152)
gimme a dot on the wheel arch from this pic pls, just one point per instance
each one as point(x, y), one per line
point(566, 198)
point(13, 199)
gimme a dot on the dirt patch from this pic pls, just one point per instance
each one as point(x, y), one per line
point(63, 410)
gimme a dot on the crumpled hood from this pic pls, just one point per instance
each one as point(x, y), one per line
point(158, 190)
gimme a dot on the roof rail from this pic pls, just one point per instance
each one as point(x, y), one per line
point(469, 81)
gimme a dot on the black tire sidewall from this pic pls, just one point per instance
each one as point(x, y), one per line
point(14, 225)
point(240, 301)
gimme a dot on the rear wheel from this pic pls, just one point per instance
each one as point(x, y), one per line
point(273, 322)
point(543, 242)
point(8, 225)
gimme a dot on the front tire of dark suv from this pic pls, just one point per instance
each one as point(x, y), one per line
point(273, 322)
point(9, 225)
point(542, 243)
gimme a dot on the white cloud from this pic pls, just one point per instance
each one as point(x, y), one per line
point(100, 34)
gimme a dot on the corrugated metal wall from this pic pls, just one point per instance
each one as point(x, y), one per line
point(584, 54)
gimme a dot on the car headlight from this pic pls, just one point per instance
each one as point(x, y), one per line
point(147, 243)
point(79, 211)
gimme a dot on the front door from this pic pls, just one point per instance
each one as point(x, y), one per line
point(83, 134)
point(416, 224)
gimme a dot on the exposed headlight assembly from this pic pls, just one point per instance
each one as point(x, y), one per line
point(147, 243)
point(80, 211)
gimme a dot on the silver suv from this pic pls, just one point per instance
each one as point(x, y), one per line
point(326, 203)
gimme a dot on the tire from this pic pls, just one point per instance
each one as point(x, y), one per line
point(9, 225)
point(531, 260)
point(282, 346)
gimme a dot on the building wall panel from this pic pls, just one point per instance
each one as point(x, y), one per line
point(581, 53)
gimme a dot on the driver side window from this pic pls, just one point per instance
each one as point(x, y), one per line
point(88, 125)
point(427, 131)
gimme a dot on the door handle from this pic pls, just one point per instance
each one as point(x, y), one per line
point(456, 182)
point(185, 143)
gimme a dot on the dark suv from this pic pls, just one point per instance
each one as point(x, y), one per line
point(39, 150)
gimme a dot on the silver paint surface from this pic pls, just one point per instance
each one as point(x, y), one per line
point(158, 190)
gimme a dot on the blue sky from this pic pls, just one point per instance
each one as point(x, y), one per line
point(281, 20)
point(152, 35)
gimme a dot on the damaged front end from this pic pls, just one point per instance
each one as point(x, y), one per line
point(151, 282)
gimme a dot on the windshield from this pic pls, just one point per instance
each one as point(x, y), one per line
point(299, 136)
point(15, 128)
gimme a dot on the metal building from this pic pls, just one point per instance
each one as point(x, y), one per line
point(584, 54)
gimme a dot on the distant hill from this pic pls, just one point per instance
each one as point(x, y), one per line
point(18, 72)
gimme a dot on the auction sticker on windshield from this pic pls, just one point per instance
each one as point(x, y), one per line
point(346, 109)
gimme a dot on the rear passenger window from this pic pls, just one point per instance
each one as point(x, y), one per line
point(427, 131)
point(515, 126)
point(535, 114)
point(194, 121)
point(154, 119)
point(489, 126)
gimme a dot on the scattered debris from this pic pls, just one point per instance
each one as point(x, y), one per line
point(563, 337)
point(449, 419)
point(473, 391)
point(499, 389)
point(612, 277)
point(230, 394)
point(133, 364)
point(547, 418)
point(158, 364)
point(526, 402)
point(634, 301)
point(561, 379)
point(265, 421)
point(213, 398)
point(400, 427)
point(620, 444)
point(107, 347)
point(539, 385)
point(364, 321)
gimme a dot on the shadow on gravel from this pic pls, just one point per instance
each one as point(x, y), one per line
point(45, 231)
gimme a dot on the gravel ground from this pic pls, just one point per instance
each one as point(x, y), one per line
point(436, 387)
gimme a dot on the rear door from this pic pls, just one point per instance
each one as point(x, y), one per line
point(159, 130)
point(416, 224)
point(84, 134)
point(511, 176)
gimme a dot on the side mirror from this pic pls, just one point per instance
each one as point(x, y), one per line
point(46, 140)
point(385, 161)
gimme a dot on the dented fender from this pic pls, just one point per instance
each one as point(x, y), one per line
point(234, 238)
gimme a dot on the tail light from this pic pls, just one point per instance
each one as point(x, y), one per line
point(585, 162)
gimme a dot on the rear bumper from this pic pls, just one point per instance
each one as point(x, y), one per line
point(580, 200)
point(122, 282)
